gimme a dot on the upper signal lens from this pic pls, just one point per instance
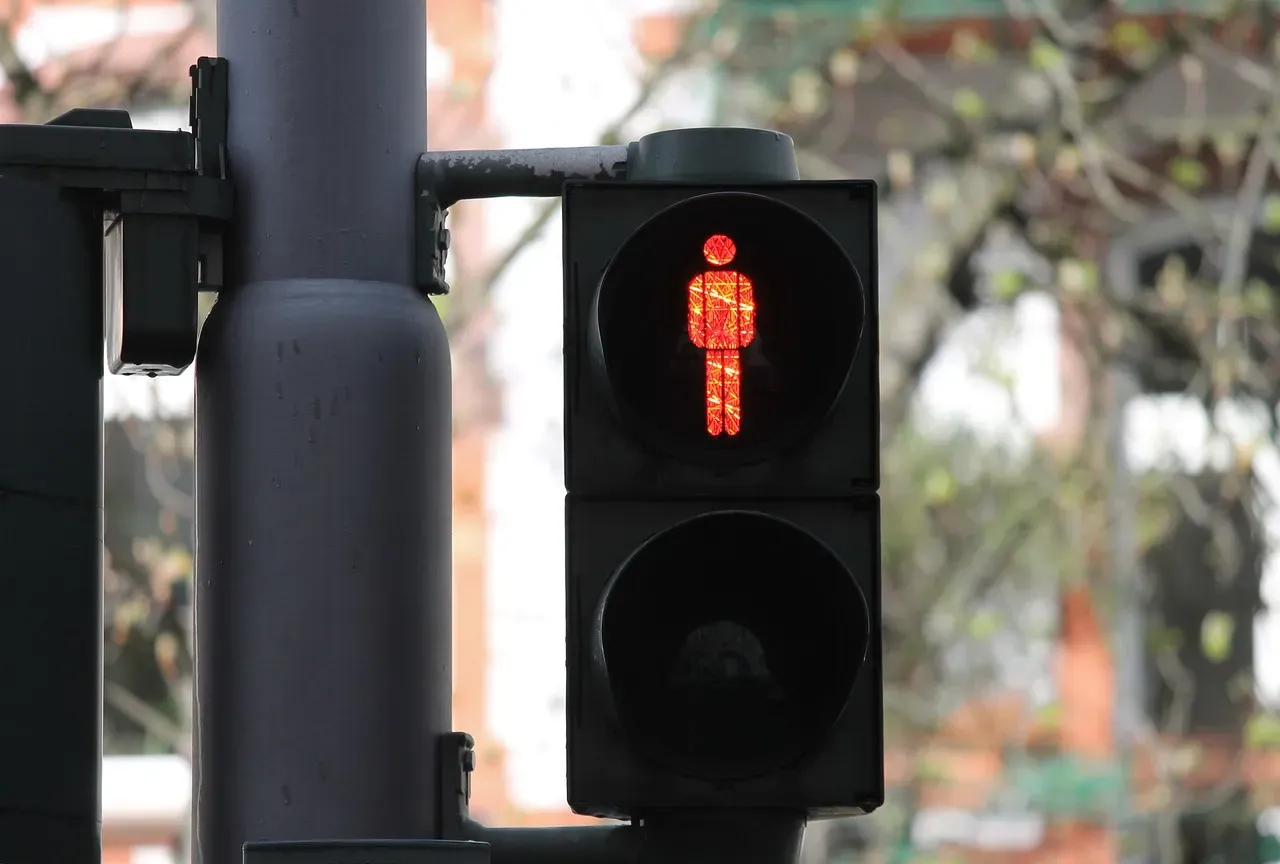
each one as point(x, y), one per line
point(727, 325)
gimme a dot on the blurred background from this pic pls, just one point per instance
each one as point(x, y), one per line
point(1080, 254)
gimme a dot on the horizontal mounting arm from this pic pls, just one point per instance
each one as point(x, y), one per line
point(445, 177)
point(459, 175)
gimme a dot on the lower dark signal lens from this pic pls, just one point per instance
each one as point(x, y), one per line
point(731, 643)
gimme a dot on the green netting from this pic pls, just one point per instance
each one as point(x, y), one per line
point(933, 10)
point(1064, 786)
point(854, 9)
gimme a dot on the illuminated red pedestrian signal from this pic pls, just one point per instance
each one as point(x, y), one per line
point(725, 327)
point(722, 320)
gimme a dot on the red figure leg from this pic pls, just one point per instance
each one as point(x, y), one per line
point(731, 391)
point(715, 392)
point(724, 393)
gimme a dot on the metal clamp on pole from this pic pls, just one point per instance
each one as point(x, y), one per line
point(446, 177)
point(673, 837)
point(164, 197)
point(583, 844)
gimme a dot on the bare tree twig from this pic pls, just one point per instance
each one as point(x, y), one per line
point(171, 497)
point(1248, 69)
point(1240, 235)
point(478, 291)
point(21, 77)
point(154, 722)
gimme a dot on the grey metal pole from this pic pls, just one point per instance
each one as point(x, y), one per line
point(323, 431)
point(50, 526)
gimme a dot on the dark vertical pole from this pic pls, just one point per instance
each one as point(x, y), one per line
point(323, 431)
point(50, 526)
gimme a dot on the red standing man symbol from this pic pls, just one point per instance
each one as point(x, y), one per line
point(722, 320)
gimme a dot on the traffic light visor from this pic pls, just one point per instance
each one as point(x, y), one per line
point(726, 326)
point(731, 643)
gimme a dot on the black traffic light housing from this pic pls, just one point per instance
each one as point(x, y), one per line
point(624, 231)
point(723, 635)
point(163, 199)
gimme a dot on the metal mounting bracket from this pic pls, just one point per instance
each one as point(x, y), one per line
point(445, 177)
point(164, 197)
point(174, 173)
point(457, 761)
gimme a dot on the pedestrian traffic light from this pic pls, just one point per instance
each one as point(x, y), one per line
point(722, 469)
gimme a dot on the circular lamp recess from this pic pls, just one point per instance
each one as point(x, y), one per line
point(725, 327)
point(731, 643)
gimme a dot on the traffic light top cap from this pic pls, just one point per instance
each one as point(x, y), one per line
point(713, 154)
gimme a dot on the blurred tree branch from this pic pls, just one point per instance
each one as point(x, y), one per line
point(474, 294)
point(1047, 137)
point(86, 79)
point(156, 723)
point(27, 91)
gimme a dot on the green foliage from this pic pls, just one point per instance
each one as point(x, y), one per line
point(1006, 285)
point(1078, 276)
point(1216, 632)
point(972, 532)
point(984, 624)
point(1049, 716)
point(1045, 55)
point(1271, 214)
point(149, 483)
point(1163, 640)
point(1259, 299)
point(1263, 731)
point(930, 768)
point(443, 305)
point(1188, 172)
point(969, 104)
point(1128, 36)
point(967, 530)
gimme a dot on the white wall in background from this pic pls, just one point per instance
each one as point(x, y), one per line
point(566, 69)
point(145, 790)
point(53, 31)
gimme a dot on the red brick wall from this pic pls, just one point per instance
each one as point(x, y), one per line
point(116, 854)
point(118, 846)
